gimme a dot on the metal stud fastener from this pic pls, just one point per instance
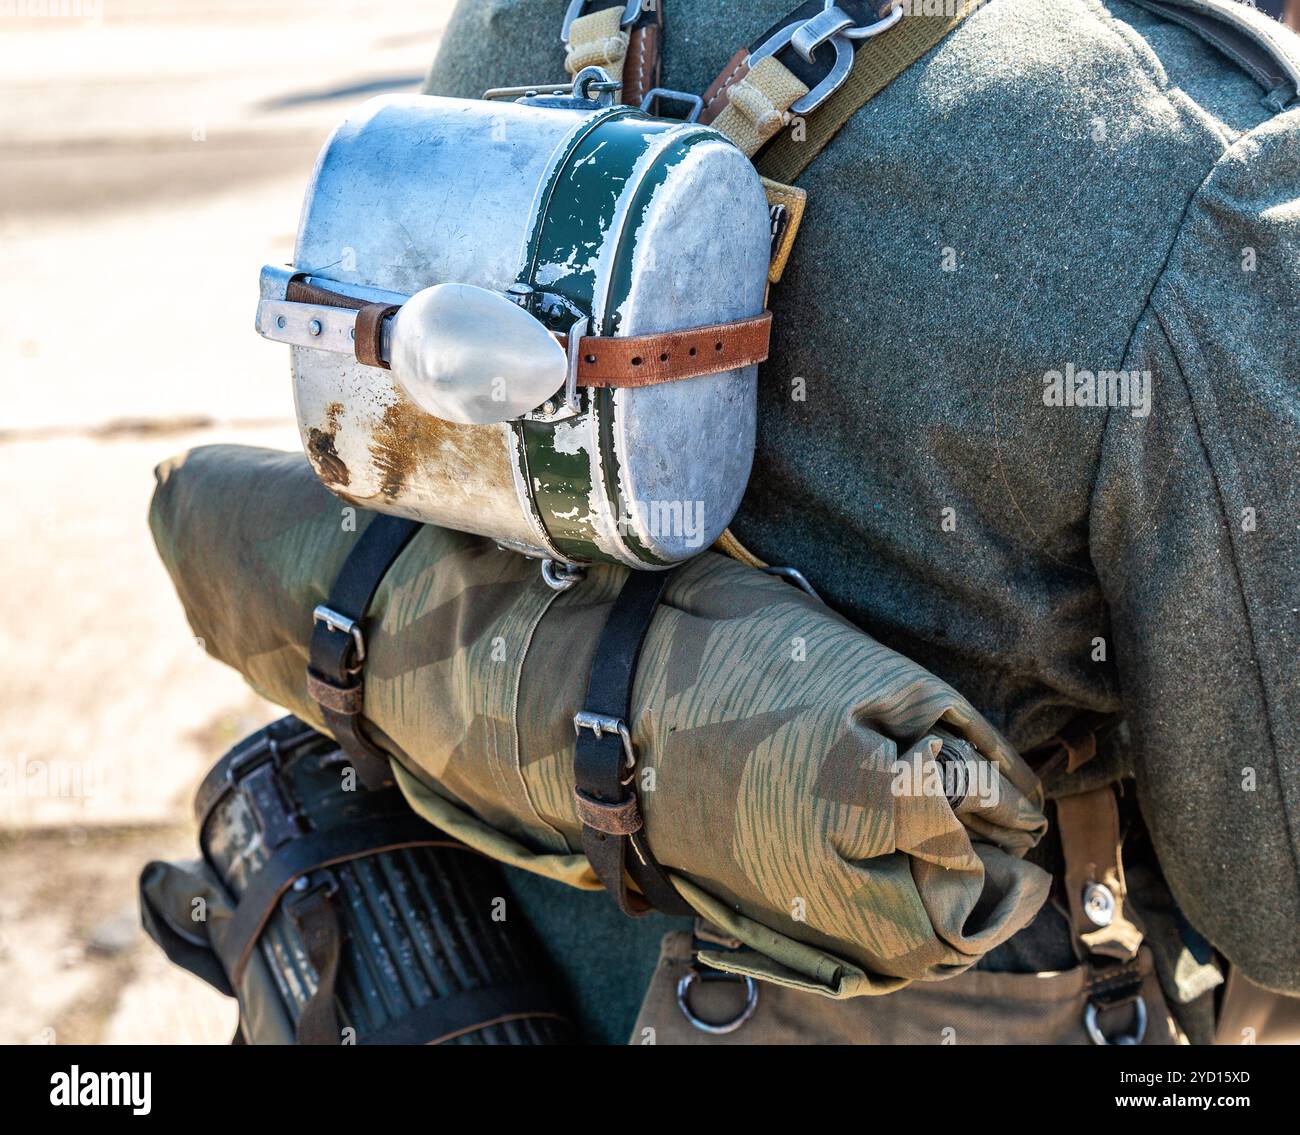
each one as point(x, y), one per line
point(315, 327)
point(1098, 904)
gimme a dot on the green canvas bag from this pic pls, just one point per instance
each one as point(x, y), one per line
point(795, 776)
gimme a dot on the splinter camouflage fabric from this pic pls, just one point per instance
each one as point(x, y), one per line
point(768, 728)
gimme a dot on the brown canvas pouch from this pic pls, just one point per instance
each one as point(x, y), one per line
point(973, 1008)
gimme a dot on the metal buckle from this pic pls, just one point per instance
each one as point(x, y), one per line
point(602, 723)
point(830, 25)
point(631, 14)
point(255, 775)
point(341, 624)
point(669, 95)
point(827, 24)
point(691, 976)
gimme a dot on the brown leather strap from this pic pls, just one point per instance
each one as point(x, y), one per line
point(235, 938)
point(369, 333)
point(643, 360)
point(613, 819)
point(715, 98)
point(638, 360)
point(641, 64)
point(1094, 874)
point(300, 291)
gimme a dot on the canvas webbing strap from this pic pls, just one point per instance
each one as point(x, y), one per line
point(624, 39)
point(613, 836)
point(338, 644)
point(754, 110)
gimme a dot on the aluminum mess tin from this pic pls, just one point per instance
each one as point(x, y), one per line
point(641, 224)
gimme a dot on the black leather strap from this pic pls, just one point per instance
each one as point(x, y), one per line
point(314, 914)
point(468, 1011)
point(334, 671)
point(612, 834)
point(234, 940)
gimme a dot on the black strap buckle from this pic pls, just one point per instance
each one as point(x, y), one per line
point(603, 724)
point(342, 624)
point(255, 775)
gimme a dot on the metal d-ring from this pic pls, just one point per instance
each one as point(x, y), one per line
point(1091, 1012)
point(691, 976)
point(560, 576)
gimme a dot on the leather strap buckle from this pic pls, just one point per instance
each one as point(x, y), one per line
point(255, 775)
point(601, 724)
point(341, 624)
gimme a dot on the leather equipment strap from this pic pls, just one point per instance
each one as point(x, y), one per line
point(337, 652)
point(234, 939)
point(644, 360)
point(369, 334)
point(606, 361)
point(604, 760)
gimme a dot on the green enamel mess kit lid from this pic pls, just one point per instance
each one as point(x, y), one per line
point(601, 217)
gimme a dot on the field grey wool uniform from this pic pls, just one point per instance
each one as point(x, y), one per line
point(1061, 190)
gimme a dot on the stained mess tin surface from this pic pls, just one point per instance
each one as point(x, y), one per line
point(642, 225)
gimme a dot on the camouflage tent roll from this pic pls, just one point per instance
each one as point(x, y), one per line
point(844, 813)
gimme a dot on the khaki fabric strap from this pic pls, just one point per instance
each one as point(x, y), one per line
point(758, 104)
point(645, 360)
point(631, 54)
point(728, 545)
point(878, 63)
point(1090, 843)
point(596, 40)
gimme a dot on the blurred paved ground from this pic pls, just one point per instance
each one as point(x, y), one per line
point(150, 162)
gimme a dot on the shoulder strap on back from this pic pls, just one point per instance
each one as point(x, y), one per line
point(1268, 51)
